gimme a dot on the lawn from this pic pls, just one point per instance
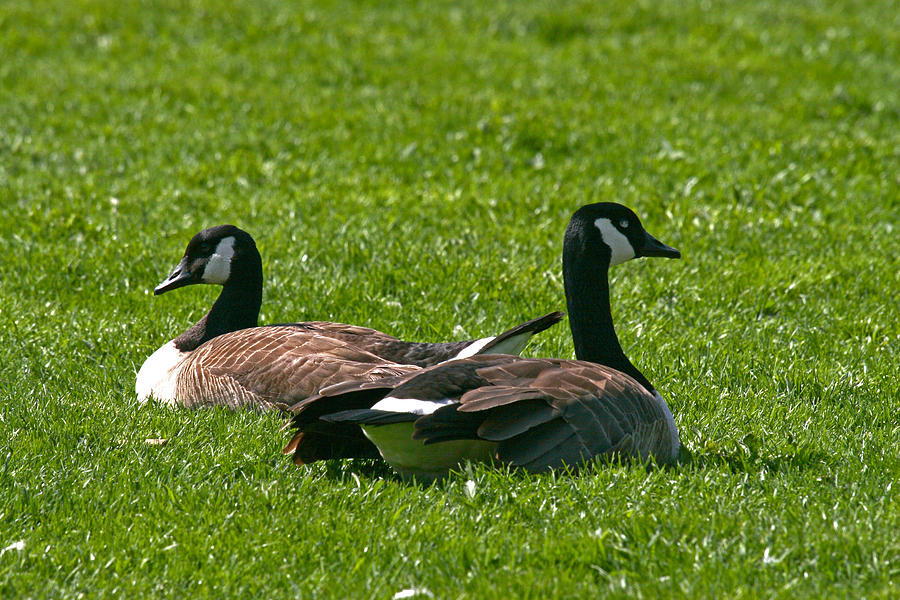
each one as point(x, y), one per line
point(411, 166)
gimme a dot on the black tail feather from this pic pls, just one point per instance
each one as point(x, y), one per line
point(533, 327)
point(368, 416)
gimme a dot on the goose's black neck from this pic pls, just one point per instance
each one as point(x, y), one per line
point(587, 299)
point(237, 307)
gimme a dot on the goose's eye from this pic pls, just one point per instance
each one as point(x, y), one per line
point(623, 223)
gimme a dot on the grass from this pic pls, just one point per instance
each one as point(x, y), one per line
point(411, 167)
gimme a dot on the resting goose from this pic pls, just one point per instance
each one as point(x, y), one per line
point(536, 414)
point(226, 359)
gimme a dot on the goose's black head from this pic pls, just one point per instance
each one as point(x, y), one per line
point(615, 233)
point(217, 255)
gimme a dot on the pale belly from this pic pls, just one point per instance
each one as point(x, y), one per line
point(158, 374)
point(412, 458)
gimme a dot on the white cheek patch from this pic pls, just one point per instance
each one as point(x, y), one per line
point(618, 244)
point(218, 268)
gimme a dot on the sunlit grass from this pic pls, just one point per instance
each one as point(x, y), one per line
point(411, 167)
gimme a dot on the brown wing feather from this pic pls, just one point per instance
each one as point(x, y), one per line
point(282, 364)
point(311, 440)
point(547, 413)
point(514, 419)
point(550, 445)
point(343, 331)
point(315, 440)
point(420, 354)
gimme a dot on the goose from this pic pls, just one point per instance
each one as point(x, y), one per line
point(226, 359)
point(534, 414)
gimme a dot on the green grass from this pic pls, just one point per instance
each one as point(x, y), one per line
point(411, 167)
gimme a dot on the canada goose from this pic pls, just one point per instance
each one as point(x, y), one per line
point(225, 359)
point(537, 414)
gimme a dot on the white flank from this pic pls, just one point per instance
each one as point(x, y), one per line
point(670, 423)
point(474, 348)
point(412, 458)
point(618, 244)
point(410, 405)
point(218, 268)
point(158, 373)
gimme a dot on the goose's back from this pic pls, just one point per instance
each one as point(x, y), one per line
point(547, 413)
point(277, 365)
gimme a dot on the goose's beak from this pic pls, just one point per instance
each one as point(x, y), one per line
point(180, 277)
point(654, 247)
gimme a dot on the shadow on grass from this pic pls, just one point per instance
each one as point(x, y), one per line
point(738, 456)
point(743, 456)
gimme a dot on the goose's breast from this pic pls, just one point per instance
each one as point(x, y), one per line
point(158, 374)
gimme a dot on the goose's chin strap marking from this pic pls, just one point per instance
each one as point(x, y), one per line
point(620, 248)
point(218, 267)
